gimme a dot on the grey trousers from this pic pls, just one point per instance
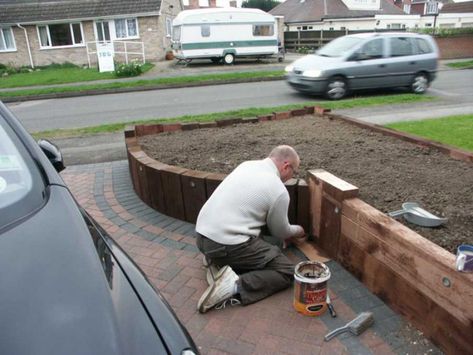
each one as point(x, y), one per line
point(262, 267)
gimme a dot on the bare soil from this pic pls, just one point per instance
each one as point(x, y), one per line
point(387, 171)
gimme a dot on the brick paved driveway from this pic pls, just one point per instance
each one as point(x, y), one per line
point(165, 250)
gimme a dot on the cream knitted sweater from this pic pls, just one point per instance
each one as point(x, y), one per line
point(252, 196)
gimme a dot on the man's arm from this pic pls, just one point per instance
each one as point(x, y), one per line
point(278, 222)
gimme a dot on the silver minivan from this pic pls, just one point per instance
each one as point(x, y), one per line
point(367, 61)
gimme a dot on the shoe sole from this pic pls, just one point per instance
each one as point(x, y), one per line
point(207, 292)
point(212, 277)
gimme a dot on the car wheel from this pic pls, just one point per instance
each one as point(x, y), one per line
point(336, 89)
point(420, 83)
point(228, 58)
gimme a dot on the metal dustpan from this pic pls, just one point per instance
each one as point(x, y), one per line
point(413, 213)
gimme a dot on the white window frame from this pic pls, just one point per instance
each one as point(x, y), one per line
point(406, 8)
point(3, 39)
point(114, 34)
point(72, 36)
point(168, 27)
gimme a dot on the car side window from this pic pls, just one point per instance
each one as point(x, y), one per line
point(372, 50)
point(423, 46)
point(401, 46)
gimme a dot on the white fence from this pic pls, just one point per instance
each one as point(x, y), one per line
point(125, 48)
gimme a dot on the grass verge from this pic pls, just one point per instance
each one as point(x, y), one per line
point(452, 130)
point(145, 83)
point(61, 75)
point(461, 65)
point(249, 112)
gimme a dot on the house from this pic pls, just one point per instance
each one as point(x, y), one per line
point(205, 4)
point(439, 13)
point(40, 32)
point(302, 15)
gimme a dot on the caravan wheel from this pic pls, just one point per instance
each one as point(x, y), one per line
point(228, 58)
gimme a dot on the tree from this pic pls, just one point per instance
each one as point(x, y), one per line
point(264, 5)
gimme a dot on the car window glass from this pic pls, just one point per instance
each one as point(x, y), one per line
point(423, 46)
point(401, 46)
point(373, 49)
point(339, 47)
point(21, 186)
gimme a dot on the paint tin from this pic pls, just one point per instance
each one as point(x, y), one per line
point(310, 287)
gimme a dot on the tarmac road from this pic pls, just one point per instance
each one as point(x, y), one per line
point(453, 87)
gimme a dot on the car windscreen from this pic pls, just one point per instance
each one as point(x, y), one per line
point(21, 183)
point(339, 47)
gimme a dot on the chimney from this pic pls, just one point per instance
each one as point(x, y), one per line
point(194, 4)
point(233, 3)
point(212, 3)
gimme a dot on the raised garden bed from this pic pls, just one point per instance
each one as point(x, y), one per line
point(387, 170)
point(414, 275)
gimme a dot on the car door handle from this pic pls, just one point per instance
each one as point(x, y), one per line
point(382, 65)
point(412, 63)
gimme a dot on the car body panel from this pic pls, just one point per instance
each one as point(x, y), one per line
point(44, 299)
point(67, 288)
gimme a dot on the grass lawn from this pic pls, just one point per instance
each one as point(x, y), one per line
point(249, 112)
point(60, 75)
point(467, 64)
point(456, 131)
point(146, 83)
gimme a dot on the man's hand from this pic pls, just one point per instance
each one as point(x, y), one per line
point(297, 238)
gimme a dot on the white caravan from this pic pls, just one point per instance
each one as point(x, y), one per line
point(223, 34)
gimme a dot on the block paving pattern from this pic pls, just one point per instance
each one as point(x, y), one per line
point(165, 250)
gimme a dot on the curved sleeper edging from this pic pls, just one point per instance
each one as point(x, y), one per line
point(180, 192)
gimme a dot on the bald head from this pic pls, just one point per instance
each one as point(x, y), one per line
point(286, 160)
point(284, 153)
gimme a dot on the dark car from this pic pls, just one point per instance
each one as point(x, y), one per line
point(65, 286)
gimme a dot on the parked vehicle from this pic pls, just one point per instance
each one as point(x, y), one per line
point(367, 61)
point(66, 287)
point(224, 34)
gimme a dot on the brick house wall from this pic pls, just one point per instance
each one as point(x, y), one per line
point(152, 31)
point(455, 47)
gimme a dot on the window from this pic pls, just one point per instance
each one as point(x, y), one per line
point(176, 33)
point(205, 30)
point(61, 34)
point(7, 43)
point(401, 46)
point(373, 49)
point(265, 30)
point(423, 46)
point(126, 28)
point(432, 7)
point(304, 28)
point(407, 8)
point(168, 27)
point(103, 31)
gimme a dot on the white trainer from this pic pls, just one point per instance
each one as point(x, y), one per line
point(222, 289)
point(213, 271)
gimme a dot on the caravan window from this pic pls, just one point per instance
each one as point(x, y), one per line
point(176, 33)
point(263, 30)
point(205, 30)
